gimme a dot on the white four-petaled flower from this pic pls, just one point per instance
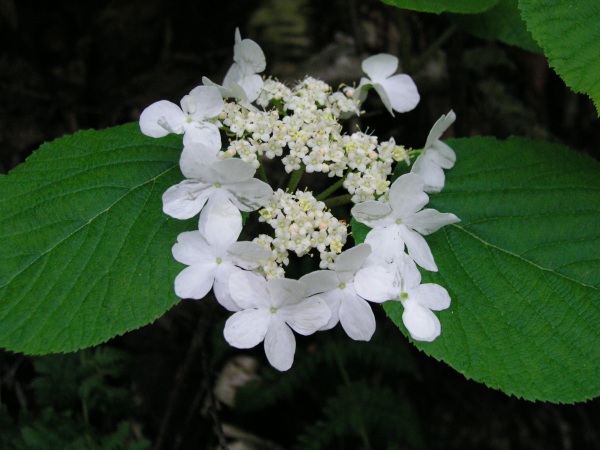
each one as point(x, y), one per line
point(436, 156)
point(270, 310)
point(397, 92)
point(242, 80)
point(213, 181)
point(191, 120)
point(402, 282)
point(336, 287)
point(401, 221)
point(213, 255)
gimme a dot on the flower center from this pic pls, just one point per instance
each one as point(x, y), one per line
point(273, 310)
point(403, 296)
point(219, 261)
point(342, 285)
point(398, 221)
point(217, 184)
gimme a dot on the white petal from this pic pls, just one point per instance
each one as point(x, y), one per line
point(352, 259)
point(356, 317)
point(204, 133)
point(402, 92)
point(379, 67)
point(422, 324)
point(333, 300)
point(225, 92)
point(442, 154)
point(387, 245)
point(192, 248)
point(196, 159)
point(284, 292)
point(280, 345)
point(195, 281)
point(432, 174)
point(428, 221)
point(233, 170)
point(249, 290)
point(162, 118)
point(431, 296)
point(186, 199)
point(248, 255)
point(221, 224)
point(319, 281)
point(250, 195)
point(209, 102)
point(410, 275)
point(407, 196)
point(247, 329)
point(306, 316)
point(373, 213)
point(439, 127)
point(221, 286)
point(376, 284)
point(418, 249)
point(233, 75)
point(251, 85)
point(385, 98)
point(250, 56)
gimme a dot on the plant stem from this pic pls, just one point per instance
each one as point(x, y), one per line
point(331, 189)
point(262, 173)
point(295, 179)
point(338, 201)
point(429, 51)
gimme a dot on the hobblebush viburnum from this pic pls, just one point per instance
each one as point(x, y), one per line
point(253, 124)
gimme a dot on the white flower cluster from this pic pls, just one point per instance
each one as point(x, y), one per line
point(302, 223)
point(265, 119)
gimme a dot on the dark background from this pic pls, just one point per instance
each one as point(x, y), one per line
point(66, 66)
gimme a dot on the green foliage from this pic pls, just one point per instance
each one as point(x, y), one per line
point(503, 23)
point(568, 32)
point(522, 268)
point(388, 353)
point(86, 248)
point(440, 6)
point(360, 411)
point(79, 407)
point(360, 389)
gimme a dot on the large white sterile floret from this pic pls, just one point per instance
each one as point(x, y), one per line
point(213, 255)
point(191, 120)
point(398, 92)
point(402, 282)
point(336, 287)
point(402, 221)
point(270, 310)
point(242, 80)
point(214, 181)
point(436, 156)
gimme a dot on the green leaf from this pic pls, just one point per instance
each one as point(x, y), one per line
point(522, 268)
point(440, 6)
point(501, 23)
point(86, 249)
point(569, 33)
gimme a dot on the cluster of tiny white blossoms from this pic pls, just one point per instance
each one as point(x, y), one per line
point(230, 132)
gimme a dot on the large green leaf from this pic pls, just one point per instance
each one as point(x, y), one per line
point(503, 22)
point(86, 249)
point(522, 268)
point(440, 6)
point(569, 33)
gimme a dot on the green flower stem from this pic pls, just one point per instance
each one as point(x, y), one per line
point(295, 179)
point(338, 201)
point(420, 61)
point(331, 189)
point(262, 173)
